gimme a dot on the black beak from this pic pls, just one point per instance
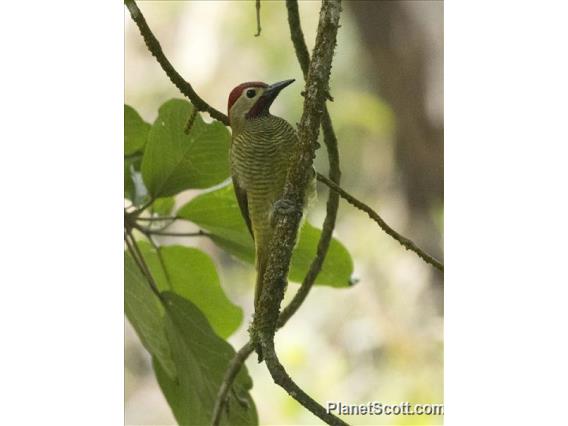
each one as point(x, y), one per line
point(275, 88)
point(270, 93)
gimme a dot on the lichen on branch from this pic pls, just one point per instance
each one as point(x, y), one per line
point(286, 225)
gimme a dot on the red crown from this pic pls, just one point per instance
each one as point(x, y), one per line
point(236, 92)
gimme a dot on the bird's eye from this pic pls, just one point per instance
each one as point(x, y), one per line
point(251, 93)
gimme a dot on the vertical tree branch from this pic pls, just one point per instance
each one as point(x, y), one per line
point(286, 225)
point(297, 36)
point(330, 141)
point(328, 224)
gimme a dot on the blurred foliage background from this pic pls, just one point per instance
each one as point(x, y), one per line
point(383, 338)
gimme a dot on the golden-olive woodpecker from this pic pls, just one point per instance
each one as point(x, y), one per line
point(261, 152)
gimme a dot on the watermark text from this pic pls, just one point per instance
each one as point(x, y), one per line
point(376, 408)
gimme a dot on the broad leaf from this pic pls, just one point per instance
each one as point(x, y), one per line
point(337, 267)
point(145, 313)
point(135, 131)
point(218, 212)
point(129, 189)
point(175, 161)
point(163, 206)
point(191, 273)
point(173, 392)
point(201, 359)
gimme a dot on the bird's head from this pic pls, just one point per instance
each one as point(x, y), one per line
point(252, 99)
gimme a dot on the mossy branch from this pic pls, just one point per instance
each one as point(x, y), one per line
point(286, 225)
point(330, 141)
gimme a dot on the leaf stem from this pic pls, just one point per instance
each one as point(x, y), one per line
point(140, 262)
point(227, 383)
point(162, 262)
point(199, 233)
point(157, 219)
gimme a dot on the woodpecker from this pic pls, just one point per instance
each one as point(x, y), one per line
point(262, 148)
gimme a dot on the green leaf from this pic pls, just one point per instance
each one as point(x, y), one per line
point(175, 161)
point(218, 212)
point(337, 267)
point(191, 274)
point(189, 358)
point(163, 206)
point(135, 131)
point(173, 392)
point(201, 358)
point(145, 313)
point(129, 189)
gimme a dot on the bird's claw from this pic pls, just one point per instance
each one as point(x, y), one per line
point(284, 207)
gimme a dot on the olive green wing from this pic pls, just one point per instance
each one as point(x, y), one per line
point(242, 199)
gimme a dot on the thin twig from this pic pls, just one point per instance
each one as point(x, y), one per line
point(405, 242)
point(297, 36)
point(227, 383)
point(140, 209)
point(190, 121)
point(162, 262)
point(199, 233)
point(299, 41)
point(140, 262)
point(157, 219)
point(258, 29)
point(156, 50)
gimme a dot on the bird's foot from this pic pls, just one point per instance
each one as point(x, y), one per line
point(284, 207)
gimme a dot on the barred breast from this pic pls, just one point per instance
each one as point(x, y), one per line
point(260, 157)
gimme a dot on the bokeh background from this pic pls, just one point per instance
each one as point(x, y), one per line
point(383, 338)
